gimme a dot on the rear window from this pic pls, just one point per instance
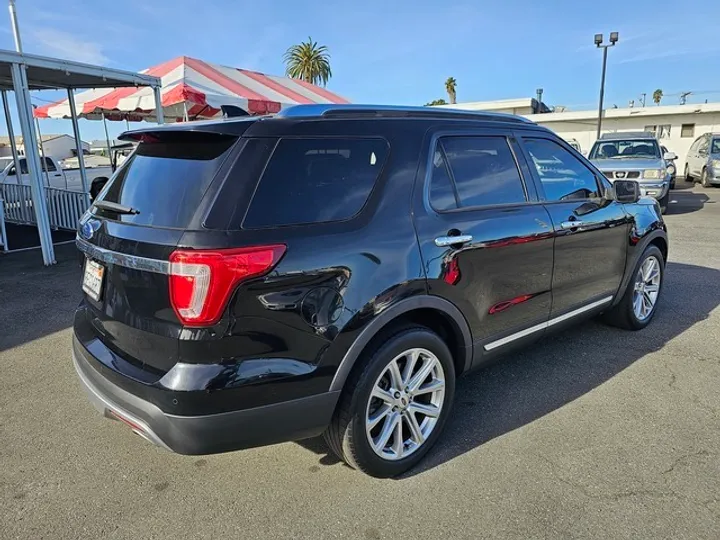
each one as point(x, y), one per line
point(316, 180)
point(165, 180)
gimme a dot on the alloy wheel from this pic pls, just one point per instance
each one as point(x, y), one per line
point(647, 288)
point(405, 404)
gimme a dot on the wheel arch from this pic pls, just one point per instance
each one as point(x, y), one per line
point(658, 238)
point(434, 312)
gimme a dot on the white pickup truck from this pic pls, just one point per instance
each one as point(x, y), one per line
point(54, 175)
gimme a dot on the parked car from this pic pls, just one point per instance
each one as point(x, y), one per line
point(703, 160)
point(670, 165)
point(575, 145)
point(54, 175)
point(335, 268)
point(635, 156)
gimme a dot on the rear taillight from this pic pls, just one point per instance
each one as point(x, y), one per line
point(201, 282)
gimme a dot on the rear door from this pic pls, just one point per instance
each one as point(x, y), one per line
point(485, 241)
point(702, 155)
point(162, 188)
point(591, 232)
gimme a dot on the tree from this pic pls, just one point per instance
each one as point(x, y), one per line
point(657, 96)
point(436, 102)
point(309, 62)
point(450, 85)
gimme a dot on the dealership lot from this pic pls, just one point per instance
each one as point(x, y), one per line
point(593, 433)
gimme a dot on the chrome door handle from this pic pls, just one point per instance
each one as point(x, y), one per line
point(444, 241)
point(572, 224)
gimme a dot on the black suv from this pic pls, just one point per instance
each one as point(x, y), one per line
point(334, 269)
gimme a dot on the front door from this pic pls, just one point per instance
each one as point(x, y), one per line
point(485, 241)
point(591, 232)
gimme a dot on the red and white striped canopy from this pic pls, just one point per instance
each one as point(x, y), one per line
point(196, 86)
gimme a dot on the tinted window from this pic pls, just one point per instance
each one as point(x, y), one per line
point(165, 180)
point(563, 176)
point(484, 171)
point(49, 165)
point(316, 180)
point(628, 148)
point(715, 149)
point(703, 148)
point(442, 193)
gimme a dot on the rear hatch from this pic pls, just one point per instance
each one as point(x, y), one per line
point(128, 237)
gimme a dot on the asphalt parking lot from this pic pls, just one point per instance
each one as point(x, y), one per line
point(595, 433)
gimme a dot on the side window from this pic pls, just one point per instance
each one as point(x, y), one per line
point(316, 181)
point(484, 171)
point(694, 145)
point(563, 176)
point(49, 165)
point(703, 148)
point(23, 166)
point(442, 191)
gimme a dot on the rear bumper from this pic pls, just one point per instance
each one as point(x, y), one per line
point(211, 433)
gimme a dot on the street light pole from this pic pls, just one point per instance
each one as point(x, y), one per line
point(599, 44)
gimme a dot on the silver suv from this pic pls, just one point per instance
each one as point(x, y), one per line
point(635, 156)
point(703, 160)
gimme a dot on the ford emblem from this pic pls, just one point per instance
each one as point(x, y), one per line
point(88, 229)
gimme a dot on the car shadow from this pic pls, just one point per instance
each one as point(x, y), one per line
point(686, 202)
point(558, 370)
point(37, 300)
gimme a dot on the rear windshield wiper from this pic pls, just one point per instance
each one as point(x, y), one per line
point(115, 207)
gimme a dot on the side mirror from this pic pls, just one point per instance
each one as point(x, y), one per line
point(626, 191)
point(670, 156)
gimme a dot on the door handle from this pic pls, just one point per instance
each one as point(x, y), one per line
point(572, 224)
point(444, 241)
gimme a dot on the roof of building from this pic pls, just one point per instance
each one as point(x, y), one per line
point(627, 112)
point(500, 104)
point(5, 140)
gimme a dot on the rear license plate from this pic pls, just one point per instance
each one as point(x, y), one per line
point(93, 279)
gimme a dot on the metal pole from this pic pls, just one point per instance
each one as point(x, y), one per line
point(78, 145)
point(22, 95)
point(127, 124)
point(42, 151)
point(159, 114)
point(107, 142)
point(602, 91)
point(185, 113)
point(11, 134)
point(14, 22)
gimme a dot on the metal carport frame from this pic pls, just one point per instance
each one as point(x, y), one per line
point(24, 72)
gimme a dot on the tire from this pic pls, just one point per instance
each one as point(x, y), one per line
point(672, 183)
point(664, 202)
point(624, 315)
point(704, 179)
point(347, 435)
point(688, 176)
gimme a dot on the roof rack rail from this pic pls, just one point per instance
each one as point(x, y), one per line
point(390, 111)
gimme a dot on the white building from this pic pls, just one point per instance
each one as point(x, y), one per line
point(59, 146)
point(677, 126)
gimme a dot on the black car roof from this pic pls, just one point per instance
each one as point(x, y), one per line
point(238, 125)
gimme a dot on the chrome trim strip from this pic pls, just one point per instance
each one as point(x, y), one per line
point(122, 259)
point(542, 326)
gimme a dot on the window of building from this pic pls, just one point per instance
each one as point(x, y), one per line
point(661, 131)
point(687, 131)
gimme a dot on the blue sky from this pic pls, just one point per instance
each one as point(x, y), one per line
point(398, 51)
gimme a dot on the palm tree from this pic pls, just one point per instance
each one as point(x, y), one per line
point(309, 62)
point(450, 85)
point(657, 96)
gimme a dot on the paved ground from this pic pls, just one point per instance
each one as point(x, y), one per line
point(596, 433)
